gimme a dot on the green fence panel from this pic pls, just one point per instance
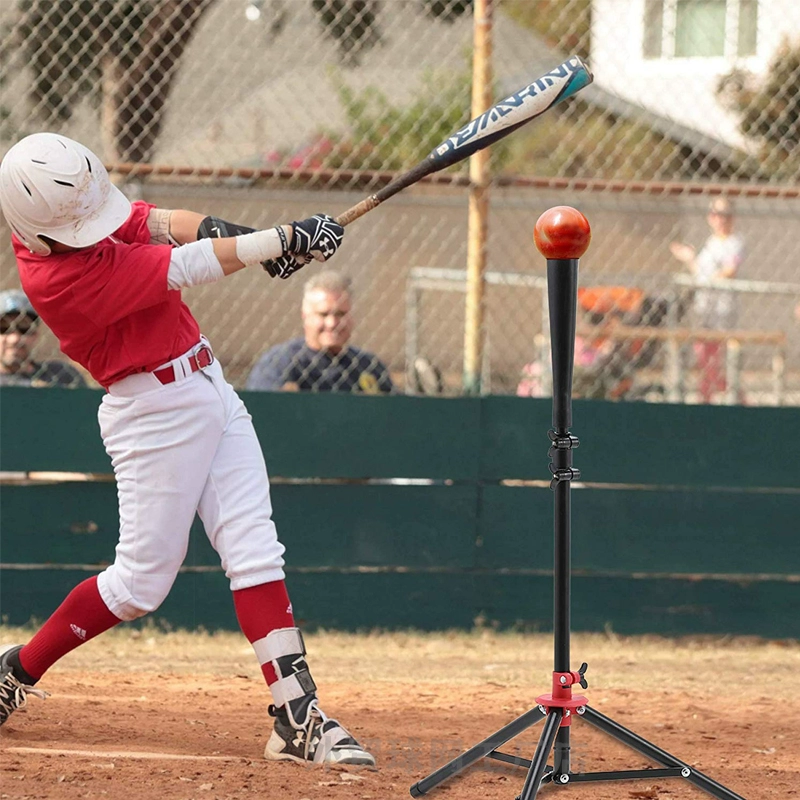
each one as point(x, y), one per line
point(652, 531)
point(394, 601)
point(632, 606)
point(54, 430)
point(59, 523)
point(693, 546)
point(661, 444)
point(322, 525)
point(514, 441)
point(343, 525)
point(351, 436)
point(358, 601)
point(302, 435)
point(515, 528)
point(346, 436)
point(646, 443)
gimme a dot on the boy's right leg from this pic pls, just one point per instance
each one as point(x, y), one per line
point(236, 511)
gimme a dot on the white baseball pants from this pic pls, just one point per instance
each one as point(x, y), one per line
point(177, 449)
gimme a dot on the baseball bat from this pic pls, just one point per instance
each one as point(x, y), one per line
point(499, 121)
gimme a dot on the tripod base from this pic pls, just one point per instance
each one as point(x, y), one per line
point(539, 773)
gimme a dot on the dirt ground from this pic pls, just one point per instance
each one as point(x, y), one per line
point(148, 715)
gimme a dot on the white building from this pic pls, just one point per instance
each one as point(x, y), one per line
point(668, 55)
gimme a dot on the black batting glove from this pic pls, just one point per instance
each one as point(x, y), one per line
point(318, 236)
point(215, 228)
point(285, 266)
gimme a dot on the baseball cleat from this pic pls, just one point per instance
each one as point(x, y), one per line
point(321, 741)
point(13, 693)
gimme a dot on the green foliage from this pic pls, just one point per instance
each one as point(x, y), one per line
point(386, 136)
point(564, 26)
point(769, 110)
point(576, 140)
point(64, 41)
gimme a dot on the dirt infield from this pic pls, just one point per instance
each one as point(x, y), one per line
point(148, 716)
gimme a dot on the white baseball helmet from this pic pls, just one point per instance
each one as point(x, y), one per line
point(53, 186)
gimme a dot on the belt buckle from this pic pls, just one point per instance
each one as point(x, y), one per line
point(204, 356)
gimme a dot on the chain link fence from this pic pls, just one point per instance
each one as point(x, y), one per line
point(262, 111)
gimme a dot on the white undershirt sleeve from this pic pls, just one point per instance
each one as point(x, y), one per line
point(193, 264)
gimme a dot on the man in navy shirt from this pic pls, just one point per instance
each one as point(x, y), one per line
point(322, 361)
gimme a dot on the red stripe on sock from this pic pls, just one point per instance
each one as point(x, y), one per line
point(261, 609)
point(82, 616)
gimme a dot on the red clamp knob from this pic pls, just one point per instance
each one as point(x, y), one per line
point(562, 696)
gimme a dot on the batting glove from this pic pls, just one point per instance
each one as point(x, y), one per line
point(285, 266)
point(318, 236)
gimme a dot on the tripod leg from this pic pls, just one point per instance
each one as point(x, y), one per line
point(477, 752)
point(561, 753)
point(644, 747)
point(536, 772)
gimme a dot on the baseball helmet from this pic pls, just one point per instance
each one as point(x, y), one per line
point(53, 186)
point(15, 301)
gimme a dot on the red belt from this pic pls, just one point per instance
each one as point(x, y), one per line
point(200, 360)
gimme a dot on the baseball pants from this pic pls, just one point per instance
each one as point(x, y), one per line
point(180, 448)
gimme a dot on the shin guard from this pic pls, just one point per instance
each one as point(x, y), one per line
point(295, 688)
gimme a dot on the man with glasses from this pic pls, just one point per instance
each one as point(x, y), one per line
point(19, 333)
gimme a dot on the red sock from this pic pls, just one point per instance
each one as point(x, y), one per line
point(82, 616)
point(261, 609)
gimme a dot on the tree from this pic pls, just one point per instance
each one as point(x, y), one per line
point(770, 110)
point(124, 54)
point(355, 24)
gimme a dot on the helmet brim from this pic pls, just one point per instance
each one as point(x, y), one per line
point(97, 226)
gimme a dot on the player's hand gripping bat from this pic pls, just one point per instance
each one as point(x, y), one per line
point(501, 119)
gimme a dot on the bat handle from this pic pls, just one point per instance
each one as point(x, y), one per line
point(406, 179)
point(358, 210)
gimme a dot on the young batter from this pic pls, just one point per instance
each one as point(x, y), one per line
point(105, 275)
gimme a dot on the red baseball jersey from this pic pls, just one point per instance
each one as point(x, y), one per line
point(109, 304)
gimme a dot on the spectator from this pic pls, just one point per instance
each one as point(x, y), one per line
point(19, 332)
point(322, 361)
point(714, 309)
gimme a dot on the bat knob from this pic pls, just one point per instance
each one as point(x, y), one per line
point(562, 232)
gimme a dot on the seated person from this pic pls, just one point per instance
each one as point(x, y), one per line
point(322, 361)
point(19, 332)
point(602, 363)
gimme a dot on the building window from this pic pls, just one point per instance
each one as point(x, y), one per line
point(700, 28)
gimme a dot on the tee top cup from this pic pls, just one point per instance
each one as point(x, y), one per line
point(561, 233)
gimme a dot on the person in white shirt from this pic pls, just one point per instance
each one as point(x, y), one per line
point(714, 309)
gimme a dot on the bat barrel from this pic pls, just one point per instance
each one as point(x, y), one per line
point(502, 119)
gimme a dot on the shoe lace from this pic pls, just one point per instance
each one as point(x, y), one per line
point(316, 717)
point(14, 696)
